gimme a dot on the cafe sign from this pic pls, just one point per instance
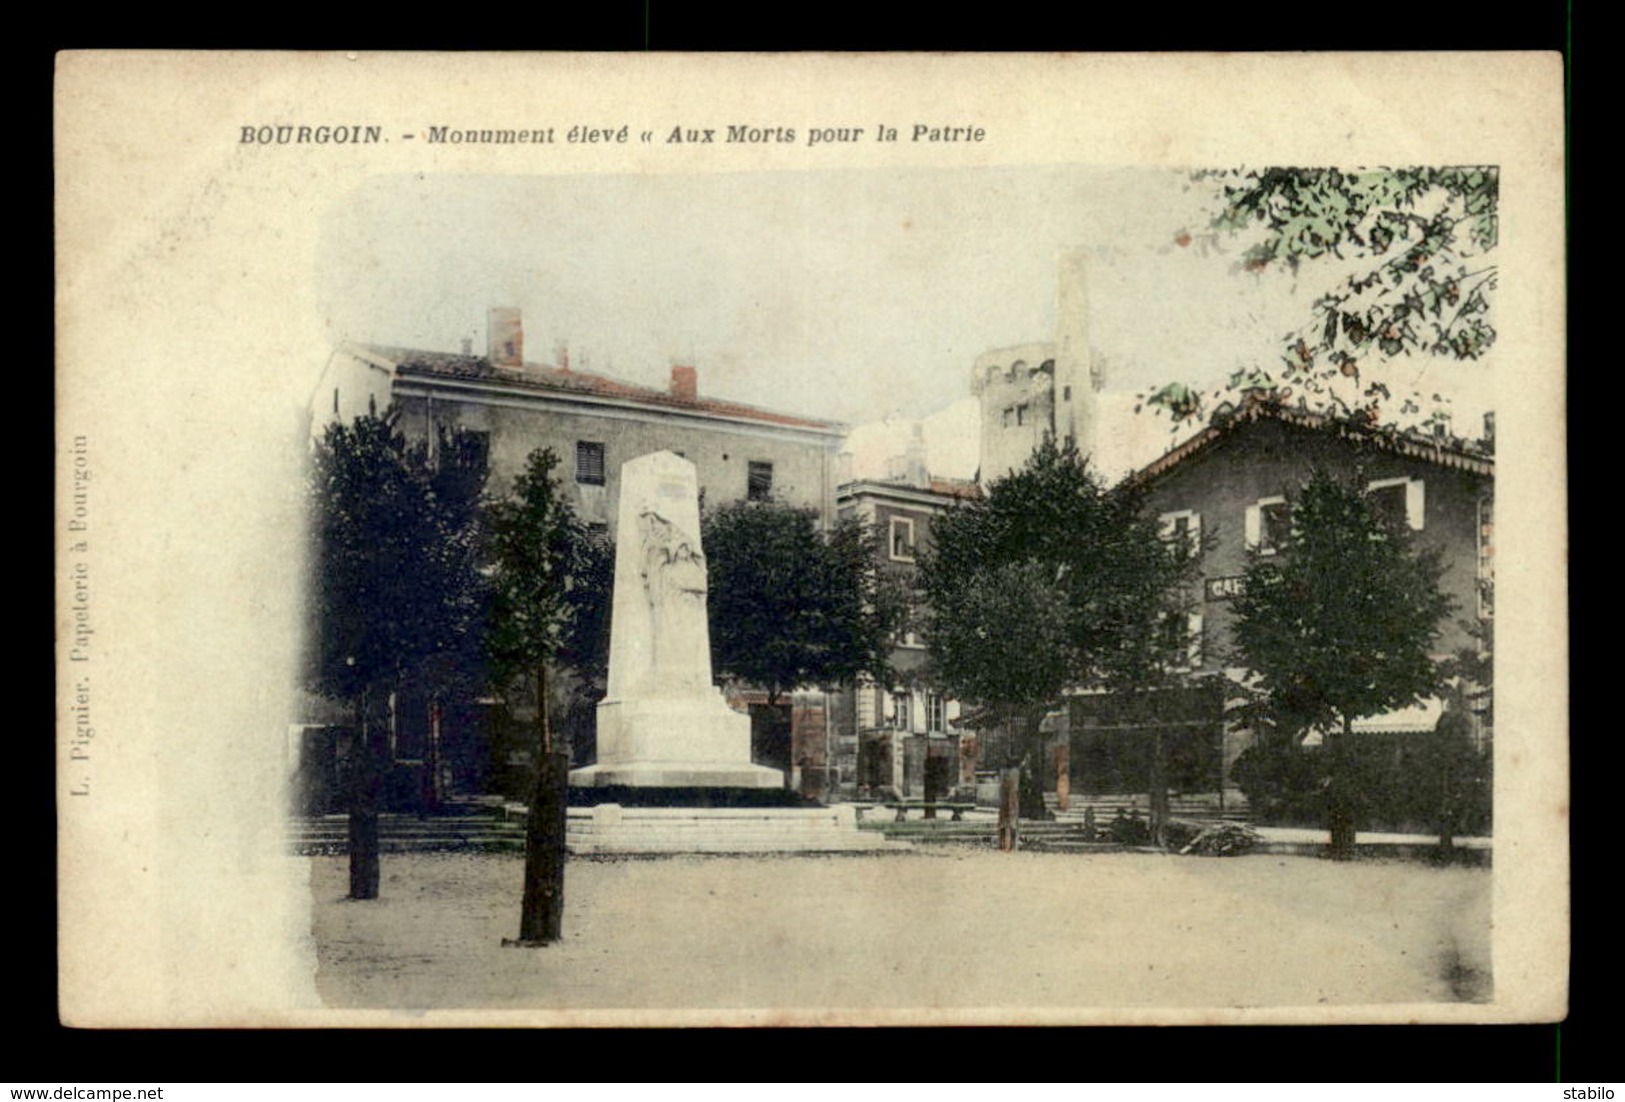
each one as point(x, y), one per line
point(1227, 588)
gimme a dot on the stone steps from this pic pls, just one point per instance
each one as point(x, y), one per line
point(610, 828)
point(330, 834)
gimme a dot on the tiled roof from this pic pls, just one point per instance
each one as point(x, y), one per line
point(1260, 409)
point(938, 487)
point(956, 487)
point(540, 377)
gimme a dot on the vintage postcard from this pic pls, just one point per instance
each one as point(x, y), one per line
point(739, 444)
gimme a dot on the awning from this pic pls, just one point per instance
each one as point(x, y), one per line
point(1418, 717)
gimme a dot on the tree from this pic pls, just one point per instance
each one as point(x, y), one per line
point(397, 592)
point(1463, 773)
point(541, 564)
point(1409, 252)
point(1340, 626)
point(546, 575)
point(792, 606)
point(1051, 582)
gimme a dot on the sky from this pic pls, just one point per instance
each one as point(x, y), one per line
point(852, 295)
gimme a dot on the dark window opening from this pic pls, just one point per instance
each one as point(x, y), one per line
point(1275, 525)
point(589, 463)
point(1388, 502)
point(471, 450)
point(759, 482)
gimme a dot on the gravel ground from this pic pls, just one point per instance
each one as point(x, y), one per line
point(943, 928)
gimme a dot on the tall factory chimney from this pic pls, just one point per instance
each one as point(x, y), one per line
point(1076, 380)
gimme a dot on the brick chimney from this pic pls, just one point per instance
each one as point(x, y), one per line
point(505, 337)
point(685, 383)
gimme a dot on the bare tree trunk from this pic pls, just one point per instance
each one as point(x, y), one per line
point(541, 917)
point(1032, 768)
point(432, 793)
point(365, 781)
point(1339, 795)
point(541, 709)
point(1009, 807)
point(541, 913)
point(1157, 797)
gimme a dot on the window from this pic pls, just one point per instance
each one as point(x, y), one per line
point(1182, 638)
point(935, 713)
point(902, 539)
point(1009, 413)
point(1268, 525)
point(589, 463)
point(472, 449)
point(1399, 501)
point(1183, 525)
point(1193, 640)
point(1021, 414)
point(901, 715)
point(759, 481)
point(1066, 394)
point(908, 631)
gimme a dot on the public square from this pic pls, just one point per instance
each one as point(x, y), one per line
point(939, 927)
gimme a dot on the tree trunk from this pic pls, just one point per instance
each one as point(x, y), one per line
point(1009, 807)
point(1032, 767)
point(1453, 760)
point(542, 720)
point(365, 782)
point(1339, 795)
point(432, 793)
point(1157, 796)
point(541, 915)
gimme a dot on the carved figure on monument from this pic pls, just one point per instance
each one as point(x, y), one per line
point(674, 583)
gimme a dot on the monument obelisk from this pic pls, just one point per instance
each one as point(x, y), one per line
point(662, 723)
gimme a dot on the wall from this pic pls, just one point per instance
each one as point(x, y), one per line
point(1005, 380)
point(721, 452)
point(1267, 458)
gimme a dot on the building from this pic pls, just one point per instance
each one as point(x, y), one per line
point(1230, 487)
point(594, 424)
point(1041, 389)
point(904, 738)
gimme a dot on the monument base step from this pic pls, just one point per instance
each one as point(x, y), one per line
point(613, 829)
point(657, 774)
point(663, 796)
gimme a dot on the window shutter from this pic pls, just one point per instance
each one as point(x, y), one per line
point(1254, 527)
point(1415, 503)
point(589, 462)
point(1195, 650)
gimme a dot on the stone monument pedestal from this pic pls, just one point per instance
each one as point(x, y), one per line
point(693, 743)
point(666, 738)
